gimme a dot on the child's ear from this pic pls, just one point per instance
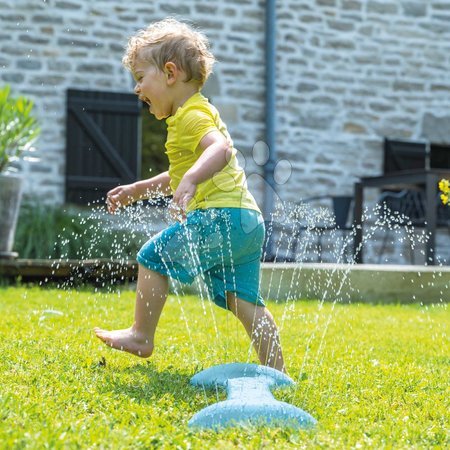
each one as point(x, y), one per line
point(171, 71)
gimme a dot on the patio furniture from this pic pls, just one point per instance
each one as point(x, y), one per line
point(409, 208)
point(288, 235)
point(427, 179)
point(412, 170)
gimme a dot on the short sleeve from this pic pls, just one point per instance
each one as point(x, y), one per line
point(193, 126)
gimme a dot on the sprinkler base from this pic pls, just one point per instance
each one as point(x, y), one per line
point(249, 399)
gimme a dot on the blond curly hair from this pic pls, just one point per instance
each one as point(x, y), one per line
point(174, 41)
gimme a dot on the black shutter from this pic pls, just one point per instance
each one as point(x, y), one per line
point(103, 143)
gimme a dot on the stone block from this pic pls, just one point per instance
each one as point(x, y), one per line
point(29, 64)
point(436, 128)
point(414, 9)
point(316, 121)
point(13, 77)
point(13, 18)
point(108, 34)
point(245, 27)
point(33, 39)
point(381, 107)
point(408, 86)
point(441, 6)
point(96, 68)
point(15, 52)
point(57, 65)
point(366, 30)
point(4, 62)
point(340, 44)
point(329, 3)
point(324, 100)
point(48, 80)
point(47, 30)
point(171, 8)
point(441, 17)
point(116, 48)
point(239, 2)
point(351, 5)
point(208, 9)
point(440, 87)
point(131, 18)
point(434, 27)
point(354, 128)
point(91, 43)
point(40, 168)
point(307, 87)
point(340, 25)
point(310, 18)
point(386, 8)
point(68, 5)
point(50, 19)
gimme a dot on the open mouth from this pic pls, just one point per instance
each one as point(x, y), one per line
point(145, 100)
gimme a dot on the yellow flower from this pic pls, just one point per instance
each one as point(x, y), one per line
point(444, 186)
point(444, 199)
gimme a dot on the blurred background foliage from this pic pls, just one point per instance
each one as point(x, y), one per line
point(68, 232)
point(154, 133)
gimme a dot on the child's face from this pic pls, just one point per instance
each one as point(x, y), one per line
point(152, 88)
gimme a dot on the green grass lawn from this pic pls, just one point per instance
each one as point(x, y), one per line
point(373, 376)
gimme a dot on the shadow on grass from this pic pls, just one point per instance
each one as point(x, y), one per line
point(145, 383)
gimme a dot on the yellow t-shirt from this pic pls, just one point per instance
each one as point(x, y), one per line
point(185, 129)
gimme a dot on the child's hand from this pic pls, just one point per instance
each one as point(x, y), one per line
point(120, 196)
point(176, 213)
point(185, 193)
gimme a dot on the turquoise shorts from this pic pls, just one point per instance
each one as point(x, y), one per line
point(224, 245)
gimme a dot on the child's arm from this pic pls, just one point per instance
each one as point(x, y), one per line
point(129, 193)
point(216, 155)
point(160, 184)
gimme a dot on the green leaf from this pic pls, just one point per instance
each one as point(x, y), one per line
point(18, 127)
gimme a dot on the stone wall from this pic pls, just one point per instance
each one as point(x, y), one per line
point(349, 72)
point(48, 46)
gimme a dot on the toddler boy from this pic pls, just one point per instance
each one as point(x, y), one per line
point(221, 230)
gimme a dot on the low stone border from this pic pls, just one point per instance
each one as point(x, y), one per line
point(280, 281)
point(357, 283)
point(91, 270)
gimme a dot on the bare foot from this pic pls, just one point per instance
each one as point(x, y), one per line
point(126, 340)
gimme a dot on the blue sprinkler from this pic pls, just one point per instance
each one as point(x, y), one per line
point(249, 399)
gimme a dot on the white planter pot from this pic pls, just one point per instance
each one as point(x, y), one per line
point(10, 198)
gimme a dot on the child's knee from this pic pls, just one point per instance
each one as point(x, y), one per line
point(232, 302)
point(243, 308)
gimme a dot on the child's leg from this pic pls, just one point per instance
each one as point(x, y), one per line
point(261, 327)
point(151, 294)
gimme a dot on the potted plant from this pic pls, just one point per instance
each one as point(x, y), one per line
point(18, 131)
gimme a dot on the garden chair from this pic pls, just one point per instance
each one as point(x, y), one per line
point(407, 208)
point(283, 237)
